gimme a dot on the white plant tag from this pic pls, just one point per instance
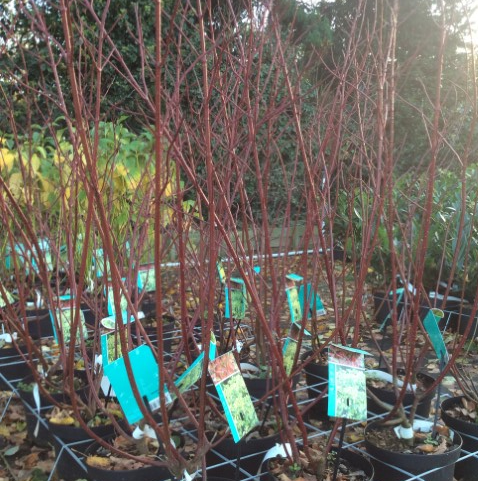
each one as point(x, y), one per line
point(403, 433)
point(148, 431)
point(36, 398)
point(8, 338)
point(282, 450)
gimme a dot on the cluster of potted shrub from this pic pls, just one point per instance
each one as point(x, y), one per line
point(91, 384)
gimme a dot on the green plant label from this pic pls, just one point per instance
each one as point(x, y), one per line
point(236, 299)
point(430, 323)
point(221, 272)
point(145, 375)
point(288, 354)
point(6, 298)
point(62, 318)
point(347, 383)
point(293, 301)
point(146, 278)
point(234, 396)
point(309, 299)
point(192, 374)
point(110, 347)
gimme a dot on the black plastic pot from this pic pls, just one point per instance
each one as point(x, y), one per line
point(355, 459)
point(222, 459)
point(395, 466)
point(383, 304)
point(317, 380)
point(61, 396)
point(469, 432)
point(459, 320)
point(38, 324)
point(13, 367)
point(388, 396)
point(38, 431)
point(147, 473)
point(77, 440)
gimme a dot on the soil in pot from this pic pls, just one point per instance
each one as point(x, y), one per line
point(384, 390)
point(37, 428)
point(395, 460)
point(66, 430)
point(105, 465)
point(352, 466)
point(461, 415)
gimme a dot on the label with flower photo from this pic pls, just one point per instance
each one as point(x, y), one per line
point(236, 401)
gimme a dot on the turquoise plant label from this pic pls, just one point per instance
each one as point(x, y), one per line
point(145, 372)
point(308, 297)
point(234, 396)
point(65, 313)
point(347, 383)
point(99, 260)
point(146, 278)
point(111, 302)
point(430, 323)
point(236, 299)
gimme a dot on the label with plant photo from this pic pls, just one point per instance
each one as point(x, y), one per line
point(234, 396)
point(288, 354)
point(236, 299)
point(63, 316)
point(347, 383)
point(110, 347)
point(221, 272)
point(146, 278)
point(5, 298)
point(145, 372)
point(192, 374)
point(292, 294)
